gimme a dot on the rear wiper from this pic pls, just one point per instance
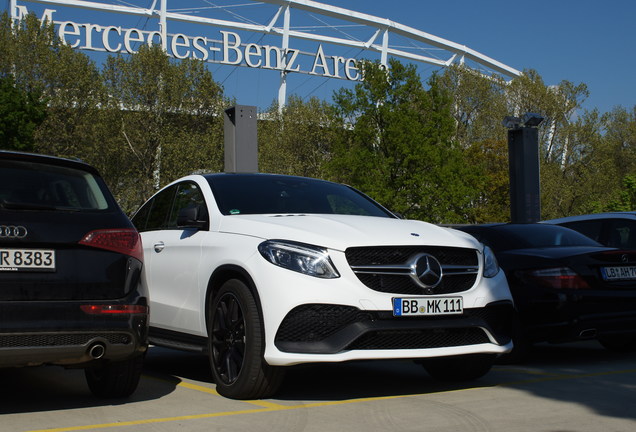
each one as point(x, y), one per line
point(30, 206)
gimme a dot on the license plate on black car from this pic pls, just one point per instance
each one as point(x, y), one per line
point(619, 273)
point(427, 306)
point(27, 260)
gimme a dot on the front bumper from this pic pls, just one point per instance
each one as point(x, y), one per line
point(331, 329)
point(309, 320)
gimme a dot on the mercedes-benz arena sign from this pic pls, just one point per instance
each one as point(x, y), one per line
point(223, 45)
point(227, 48)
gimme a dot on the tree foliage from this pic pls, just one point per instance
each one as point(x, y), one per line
point(165, 118)
point(298, 139)
point(400, 148)
point(434, 150)
point(21, 112)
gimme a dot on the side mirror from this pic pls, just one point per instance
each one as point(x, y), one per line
point(192, 217)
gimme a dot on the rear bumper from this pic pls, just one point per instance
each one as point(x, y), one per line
point(568, 316)
point(35, 333)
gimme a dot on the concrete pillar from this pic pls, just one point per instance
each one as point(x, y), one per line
point(241, 143)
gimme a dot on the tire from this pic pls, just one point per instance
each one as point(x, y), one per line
point(619, 343)
point(459, 368)
point(236, 343)
point(115, 379)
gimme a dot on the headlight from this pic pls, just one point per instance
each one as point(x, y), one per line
point(491, 266)
point(302, 258)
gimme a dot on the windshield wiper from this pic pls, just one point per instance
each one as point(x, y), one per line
point(32, 206)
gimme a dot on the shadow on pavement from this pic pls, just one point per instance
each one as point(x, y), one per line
point(52, 388)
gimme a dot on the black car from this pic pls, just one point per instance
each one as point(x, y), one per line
point(615, 229)
point(566, 286)
point(71, 285)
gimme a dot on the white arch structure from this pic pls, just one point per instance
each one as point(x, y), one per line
point(377, 36)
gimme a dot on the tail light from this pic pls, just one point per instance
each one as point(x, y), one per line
point(114, 309)
point(125, 240)
point(558, 278)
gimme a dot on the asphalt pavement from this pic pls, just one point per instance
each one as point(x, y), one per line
point(570, 387)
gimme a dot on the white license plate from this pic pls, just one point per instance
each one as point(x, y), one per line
point(619, 273)
point(27, 260)
point(417, 306)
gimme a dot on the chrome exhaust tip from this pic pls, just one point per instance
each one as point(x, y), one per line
point(97, 351)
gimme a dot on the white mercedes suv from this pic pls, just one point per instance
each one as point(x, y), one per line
point(262, 271)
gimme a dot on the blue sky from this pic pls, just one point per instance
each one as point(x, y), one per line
point(582, 41)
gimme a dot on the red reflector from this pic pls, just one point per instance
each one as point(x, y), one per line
point(126, 241)
point(114, 309)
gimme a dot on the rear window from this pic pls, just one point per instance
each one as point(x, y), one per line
point(38, 186)
point(524, 236)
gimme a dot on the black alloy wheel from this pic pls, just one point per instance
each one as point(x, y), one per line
point(237, 343)
point(228, 338)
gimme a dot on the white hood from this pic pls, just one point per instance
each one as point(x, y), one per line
point(342, 231)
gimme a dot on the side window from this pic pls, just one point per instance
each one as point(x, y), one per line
point(188, 195)
point(140, 218)
point(591, 228)
point(622, 234)
point(154, 214)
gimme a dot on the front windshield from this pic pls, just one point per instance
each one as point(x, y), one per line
point(277, 194)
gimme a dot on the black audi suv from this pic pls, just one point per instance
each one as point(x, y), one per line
point(72, 291)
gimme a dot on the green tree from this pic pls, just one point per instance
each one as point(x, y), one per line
point(66, 82)
point(20, 113)
point(297, 139)
point(481, 103)
point(627, 196)
point(165, 120)
point(399, 148)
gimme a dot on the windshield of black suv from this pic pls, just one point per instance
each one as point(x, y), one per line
point(38, 186)
point(277, 194)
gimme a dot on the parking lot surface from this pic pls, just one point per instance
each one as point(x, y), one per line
point(573, 387)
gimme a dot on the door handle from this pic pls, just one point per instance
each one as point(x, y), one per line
point(159, 247)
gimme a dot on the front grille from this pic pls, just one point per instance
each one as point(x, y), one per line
point(460, 268)
point(419, 339)
point(315, 322)
point(55, 340)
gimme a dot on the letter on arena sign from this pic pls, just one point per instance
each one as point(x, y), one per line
point(106, 41)
point(201, 48)
point(234, 47)
point(46, 15)
point(320, 61)
point(292, 60)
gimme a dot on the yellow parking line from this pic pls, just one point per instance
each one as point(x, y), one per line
point(260, 403)
point(198, 388)
point(273, 407)
point(152, 421)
